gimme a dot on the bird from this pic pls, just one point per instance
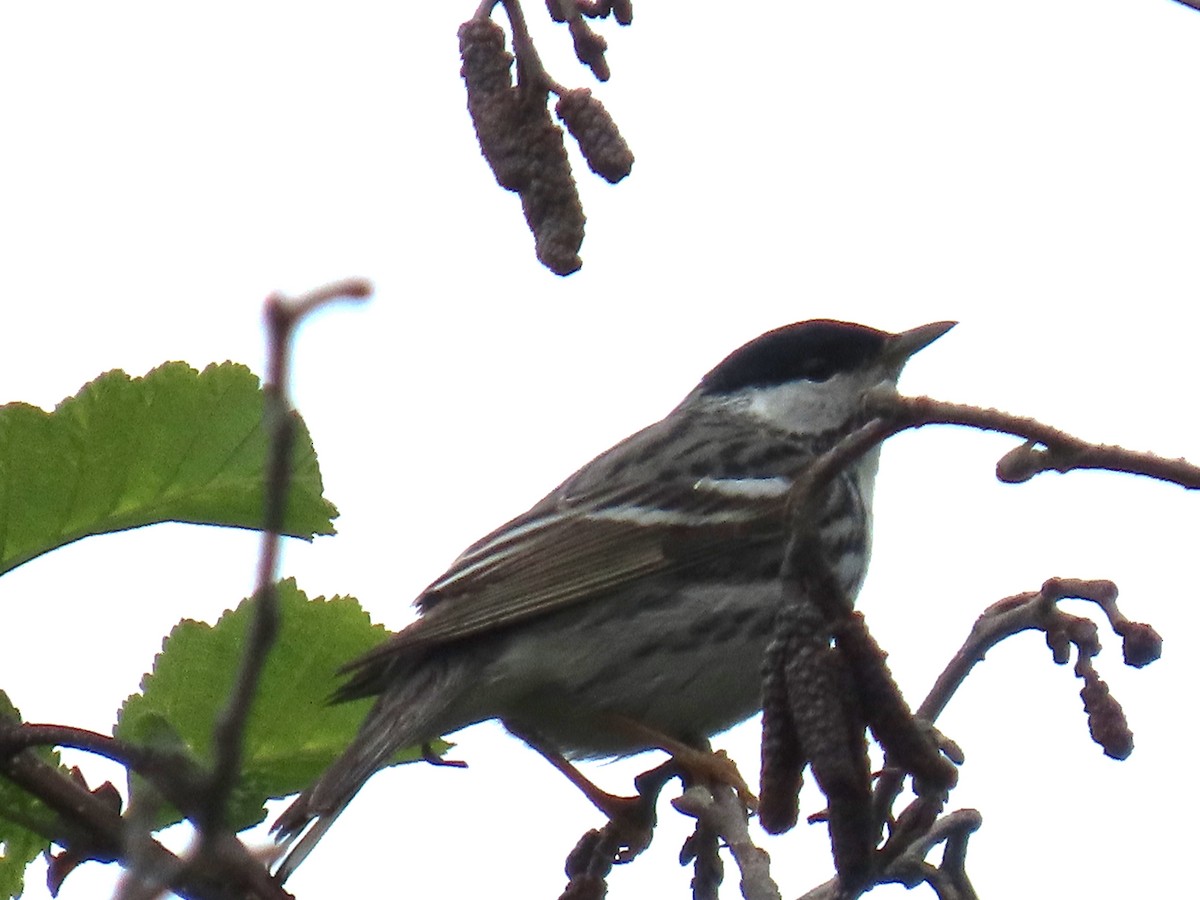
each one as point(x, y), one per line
point(635, 599)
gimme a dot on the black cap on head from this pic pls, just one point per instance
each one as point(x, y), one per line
point(813, 351)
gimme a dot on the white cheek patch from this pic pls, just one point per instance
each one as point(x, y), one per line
point(813, 406)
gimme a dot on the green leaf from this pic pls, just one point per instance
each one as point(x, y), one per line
point(20, 814)
point(293, 733)
point(176, 445)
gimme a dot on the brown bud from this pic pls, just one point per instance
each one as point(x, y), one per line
point(589, 48)
point(1106, 719)
point(600, 9)
point(1020, 464)
point(556, 10)
point(492, 100)
point(1084, 634)
point(594, 130)
point(1058, 641)
point(1141, 645)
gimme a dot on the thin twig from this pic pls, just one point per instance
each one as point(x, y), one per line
point(22, 735)
point(174, 775)
point(949, 880)
point(93, 829)
point(282, 315)
point(1032, 610)
point(719, 808)
point(531, 72)
point(1048, 449)
point(1003, 619)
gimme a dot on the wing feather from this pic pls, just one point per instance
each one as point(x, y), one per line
point(573, 550)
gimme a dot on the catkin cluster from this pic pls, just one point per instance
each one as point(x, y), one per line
point(524, 146)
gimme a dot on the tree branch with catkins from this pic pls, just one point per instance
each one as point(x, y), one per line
point(826, 683)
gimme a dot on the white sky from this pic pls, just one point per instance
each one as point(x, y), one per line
point(1028, 168)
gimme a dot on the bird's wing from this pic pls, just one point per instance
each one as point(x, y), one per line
point(573, 547)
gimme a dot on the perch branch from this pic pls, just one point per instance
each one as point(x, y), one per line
point(720, 811)
point(1046, 449)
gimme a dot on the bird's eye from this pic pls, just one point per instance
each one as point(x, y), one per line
point(819, 368)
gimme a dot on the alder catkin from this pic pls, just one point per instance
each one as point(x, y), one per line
point(783, 760)
point(832, 731)
point(549, 197)
point(594, 130)
point(493, 101)
point(909, 745)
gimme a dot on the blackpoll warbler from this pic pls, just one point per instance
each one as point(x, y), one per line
point(644, 588)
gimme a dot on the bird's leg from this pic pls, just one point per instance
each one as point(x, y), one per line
point(693, 763)
point(617, 808)
point(631, 820)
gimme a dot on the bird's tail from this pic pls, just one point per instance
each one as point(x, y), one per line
point(407, 714)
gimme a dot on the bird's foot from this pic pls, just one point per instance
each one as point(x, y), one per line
point(696, 764)
point(631, 820)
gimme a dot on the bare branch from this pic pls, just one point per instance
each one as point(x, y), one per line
point(1034, 610)
point(1012, 615)
point(282, 315)
point(174, 775)
point(92, 829)
point(1047, 449)
point(949, 880)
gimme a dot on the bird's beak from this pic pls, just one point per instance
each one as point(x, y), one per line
point(903, 345)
